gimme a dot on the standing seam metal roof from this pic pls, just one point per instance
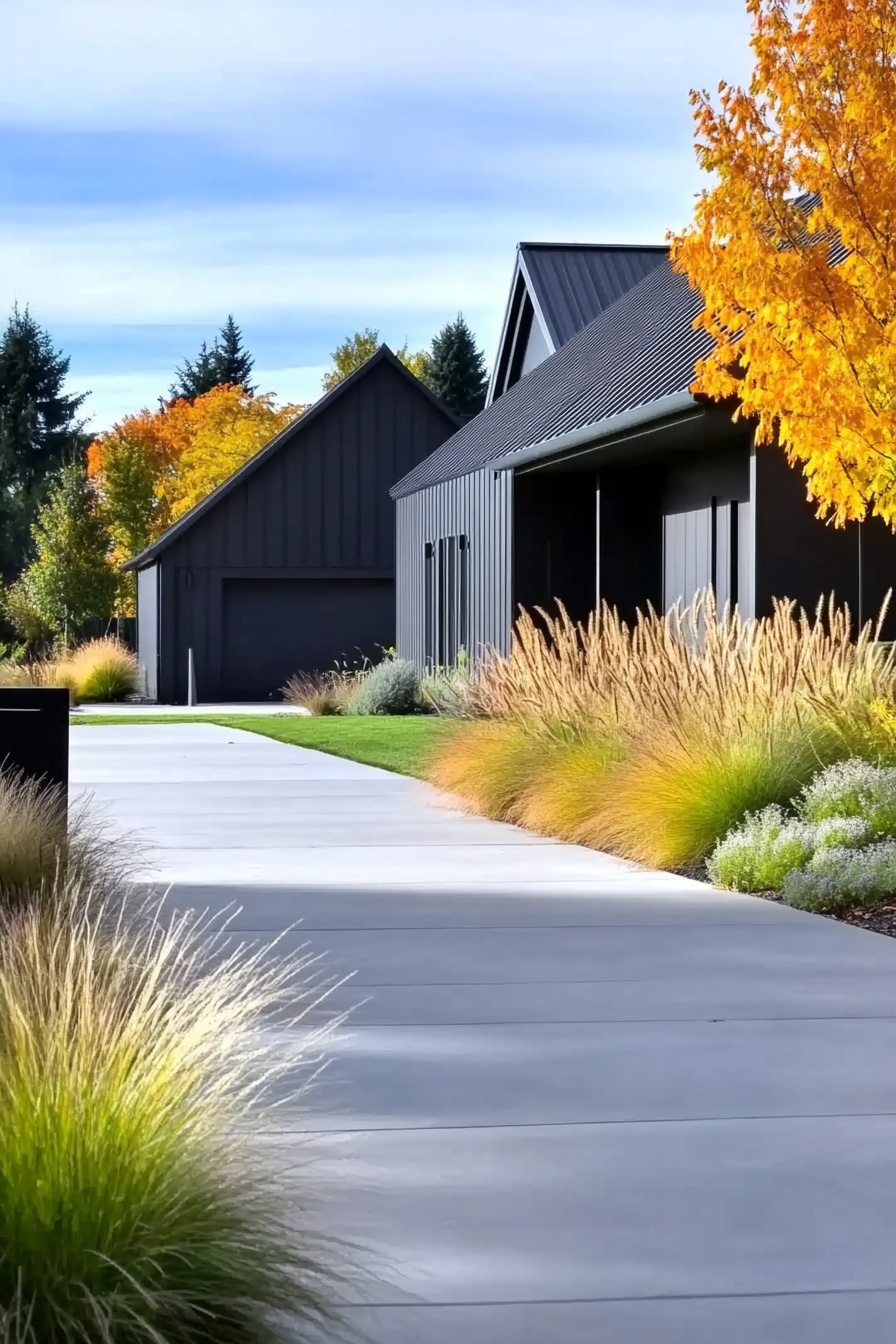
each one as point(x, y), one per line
point(641, 348)
point(573, 284)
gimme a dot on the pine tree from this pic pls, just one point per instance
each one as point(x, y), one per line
point(71, 579)
point(456, 369)
point(39, 430)
point(227, 362)
point(234, 363)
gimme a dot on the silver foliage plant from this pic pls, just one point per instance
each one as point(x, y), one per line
point(843, 878)
point(838, 849)
point(392, 687)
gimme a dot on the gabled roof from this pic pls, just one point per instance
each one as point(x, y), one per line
point(288, 435)
point(639, 350)
point(561, 288)
point(574, 283)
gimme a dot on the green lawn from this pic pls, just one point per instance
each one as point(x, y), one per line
point(400, 744)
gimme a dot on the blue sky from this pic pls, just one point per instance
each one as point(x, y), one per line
point(315, 168)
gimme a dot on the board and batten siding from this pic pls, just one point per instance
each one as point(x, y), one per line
point(479, 508)
point(319, 508)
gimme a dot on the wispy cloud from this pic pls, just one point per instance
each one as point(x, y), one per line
point(313, 168)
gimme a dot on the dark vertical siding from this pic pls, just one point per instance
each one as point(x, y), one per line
point(629, 526)
point(800, 557)
point(318, 507)
point(479, 507)
point(701, 501)
point(555, 542)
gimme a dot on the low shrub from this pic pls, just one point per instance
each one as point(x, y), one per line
point(853, 788)
point(137, 1202)
point(392, 687)
point(100, 670)
point(839, 878)
point(758, 855)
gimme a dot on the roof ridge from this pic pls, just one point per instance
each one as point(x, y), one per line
point(382, 354)
point(640, 348)
point(599, 247)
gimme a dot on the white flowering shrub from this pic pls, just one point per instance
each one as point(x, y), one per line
point(839, 878)
point(392, 687)
point(759, 854)
point(853, 788)
point(842, 833)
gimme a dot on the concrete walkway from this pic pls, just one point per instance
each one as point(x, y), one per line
point(584, 1104)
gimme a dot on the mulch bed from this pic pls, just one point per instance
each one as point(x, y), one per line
point(877, 919)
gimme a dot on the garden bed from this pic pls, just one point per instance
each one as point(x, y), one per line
point(876, 919)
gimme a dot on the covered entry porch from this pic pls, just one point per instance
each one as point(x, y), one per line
point(676, 503)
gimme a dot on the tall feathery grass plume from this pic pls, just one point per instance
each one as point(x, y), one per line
point(139, 1202)
point(652, 739)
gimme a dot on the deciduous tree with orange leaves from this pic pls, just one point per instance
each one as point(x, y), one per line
point(152, 467)
point(793, 246)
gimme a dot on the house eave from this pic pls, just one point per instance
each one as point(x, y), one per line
point(677, 406)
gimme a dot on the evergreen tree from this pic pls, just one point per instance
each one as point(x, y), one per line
point(227, 362)
point(234, 363)
point(71, 579)
point(456, 369)
point(39, 430)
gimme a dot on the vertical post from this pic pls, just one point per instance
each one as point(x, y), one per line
point(861, 576)
point(191, 679)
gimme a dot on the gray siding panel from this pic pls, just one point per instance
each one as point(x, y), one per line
point(479, 507)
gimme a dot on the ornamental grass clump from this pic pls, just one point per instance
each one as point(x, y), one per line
point(137, 1205)
point(41, 837)
point(321, 693)
point(675, 727)
point(101, 670)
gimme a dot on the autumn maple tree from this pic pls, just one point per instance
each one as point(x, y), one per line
point(793, 245)
point(152, 467)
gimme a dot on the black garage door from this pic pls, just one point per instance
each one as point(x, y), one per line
point(275, 627)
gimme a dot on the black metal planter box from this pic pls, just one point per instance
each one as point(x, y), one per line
point(34, 733)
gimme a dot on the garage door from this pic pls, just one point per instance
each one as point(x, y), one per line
point(275, 627)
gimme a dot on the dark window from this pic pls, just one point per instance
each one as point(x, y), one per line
point(446, 599)
point(430, 603)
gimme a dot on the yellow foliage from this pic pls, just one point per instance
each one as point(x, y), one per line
point(152, 467)
point(215, 435)
point(100, 670)
point(807, 348)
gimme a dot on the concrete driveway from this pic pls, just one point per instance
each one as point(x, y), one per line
point(583, 1104)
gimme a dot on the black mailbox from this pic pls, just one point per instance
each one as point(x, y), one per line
point(34, 733)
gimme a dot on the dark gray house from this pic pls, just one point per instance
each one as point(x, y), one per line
point(289, 565)
point(556, 290)
point(597, 475)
